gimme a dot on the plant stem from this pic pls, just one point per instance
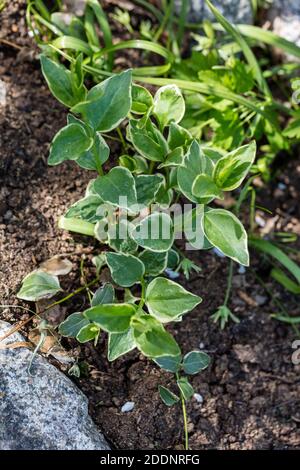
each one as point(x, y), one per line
point(122, 139)
point(76, 225)
point(229, 283)
point(69, 296)
point(186, 433)
point(143, 293)
point(185, 422)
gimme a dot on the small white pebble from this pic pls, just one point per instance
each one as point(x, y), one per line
point(128, 406)
point(218, 253)
point(241, 269)
point(281, 186)
point(260, 221)
point(201, 345)
point(171, 274)
point(2, 93)
point(198, 397)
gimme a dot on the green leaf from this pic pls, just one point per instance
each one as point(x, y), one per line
point(72, 325)
point(178, 136)
point(231, 170)
point(205, 189)
point(193, 228)
point(169, 398)
point(125, 269)
point(195, 361)
point(152, 339)
point(147, 187)
point(97, 154)
point(155, 263)
point(120, 343)
point(164, 196)
point(119, 237)
point(68, 144)
point(148, 140)
point(169, 105)
point(185, 388)
point(39, 285)
point(86, 209)
point(88, 333)
point(61, 82)
point(108, 103)
point(104, 295)
point(195, 163)
point(173, 259)
point(142, 99)
point(224, 231)
point(99, 261)
point(155, 232)
point(168, 301)
point(292, 130)
point(173, 159)
point(113, 318)
point(169, 363)
point(136, 163)
point(117, 187)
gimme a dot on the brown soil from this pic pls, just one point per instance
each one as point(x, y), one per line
point(250, 391)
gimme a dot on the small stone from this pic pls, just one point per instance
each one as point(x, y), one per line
point(242, 269)
point(201, 345)
point(171, 274)
point(198, 397)
point(2, 93)
point(8, 215)
point(260, 299)
point(218, 253)
point(260, 221)
point(127, 407)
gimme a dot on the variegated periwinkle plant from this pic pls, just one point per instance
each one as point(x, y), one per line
point(161, 188)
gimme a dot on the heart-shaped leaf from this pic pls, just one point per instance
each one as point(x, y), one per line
point(73, 324)
point(117, 187)
point(195, 361)
point(120, 343)
point(39, 285)
point(152, 339)
point(125, 269)
point(108, 103)
point(69, 144)
point(224, 231)
point(169, 105)
point(231, 170)
point(155, 232)
point(169, 398)
point(113, 318)
point(155, 263)
point(167, 301)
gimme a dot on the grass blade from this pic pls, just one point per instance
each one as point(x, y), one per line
point(70, 42)
point(250, 57)
point(105, 28)
point(270, 38)
point(272, 250)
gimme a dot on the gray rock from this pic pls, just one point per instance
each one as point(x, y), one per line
point(44, 410)
point(236, 11)
point(284, 16)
